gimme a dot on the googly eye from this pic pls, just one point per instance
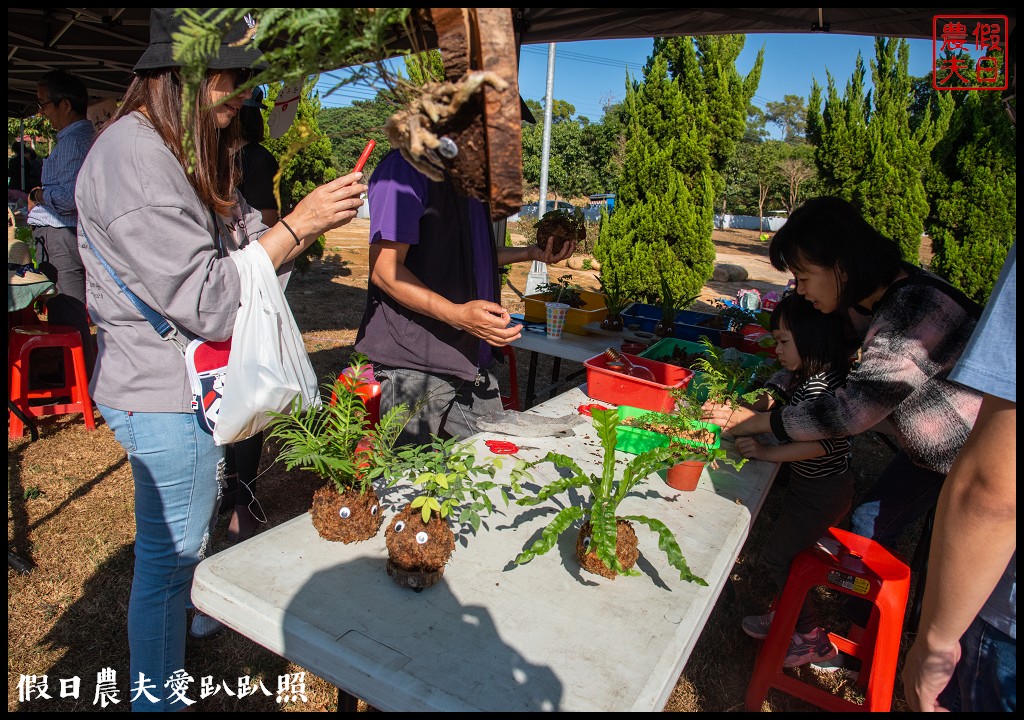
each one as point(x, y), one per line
point(422, 537)
point(345, 513)
point(373, 511)
point(586, 541)
point(400, 526)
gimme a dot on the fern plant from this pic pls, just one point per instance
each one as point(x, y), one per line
point(337, 441)
point(726, 380)
point(607, 491)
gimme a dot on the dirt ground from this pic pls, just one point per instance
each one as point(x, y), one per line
point(70, 520)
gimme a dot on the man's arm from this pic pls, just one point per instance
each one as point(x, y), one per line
point(509, 255)
point(974, 537)
point(484, 319)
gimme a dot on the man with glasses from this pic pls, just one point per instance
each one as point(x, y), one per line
point(63, 100)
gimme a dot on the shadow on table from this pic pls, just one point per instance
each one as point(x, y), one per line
point(419, 659)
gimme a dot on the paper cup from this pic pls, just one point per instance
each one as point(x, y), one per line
point(556, 319)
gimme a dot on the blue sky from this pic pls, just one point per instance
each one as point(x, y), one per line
point(589, 74)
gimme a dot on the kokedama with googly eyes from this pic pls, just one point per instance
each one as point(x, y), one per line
point(338, 442)
point(452, 484)
point(606, 544)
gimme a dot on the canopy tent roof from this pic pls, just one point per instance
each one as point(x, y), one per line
point(101, 45)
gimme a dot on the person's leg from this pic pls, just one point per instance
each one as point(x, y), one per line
point(901, 495)
point(243, 521)
point(430, 395)
point(809, 508)
point(174, 466)
point(68, 307)
point(473, 400)
point(987, 671)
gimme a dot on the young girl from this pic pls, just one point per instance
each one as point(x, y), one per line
point(813, 352)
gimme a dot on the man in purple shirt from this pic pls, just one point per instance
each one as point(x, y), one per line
point(432, 318)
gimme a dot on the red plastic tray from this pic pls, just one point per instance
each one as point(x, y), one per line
point(618, 389)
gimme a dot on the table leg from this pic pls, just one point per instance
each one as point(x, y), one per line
point(531, 382)
point(346, 702)
point(556, 368)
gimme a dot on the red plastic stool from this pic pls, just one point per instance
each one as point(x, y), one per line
point(22, 341)
point(856, 566)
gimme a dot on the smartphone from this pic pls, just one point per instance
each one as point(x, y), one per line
point(365, 156)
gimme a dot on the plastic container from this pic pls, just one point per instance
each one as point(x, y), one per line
point(644, 317)
point(618, 389)
point(593, 310)
point(664, 349)
point(636, 440)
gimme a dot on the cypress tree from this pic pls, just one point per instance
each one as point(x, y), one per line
point(974, 191)
point(681, 129)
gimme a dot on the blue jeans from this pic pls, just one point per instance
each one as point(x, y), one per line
point(985, 679)
point(174, 466)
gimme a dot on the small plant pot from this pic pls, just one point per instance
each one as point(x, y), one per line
point(417, 551)
point(612, 322)
point(626, 549)
point(685, 475)
point(346, 517)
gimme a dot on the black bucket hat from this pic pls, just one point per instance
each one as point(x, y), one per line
point(163, 23)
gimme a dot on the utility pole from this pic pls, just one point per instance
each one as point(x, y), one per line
point(538, 274)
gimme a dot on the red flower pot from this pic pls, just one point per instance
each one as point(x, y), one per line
point(685, 475)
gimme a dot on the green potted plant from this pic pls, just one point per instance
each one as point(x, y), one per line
point(614, 300)
point(670, 307)
point(564, 291)
point(452, 483)
point(338, 442)
point(697, 441)
point(606, 544)
point(727, 381)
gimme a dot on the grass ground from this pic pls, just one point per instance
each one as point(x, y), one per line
point(70, 519)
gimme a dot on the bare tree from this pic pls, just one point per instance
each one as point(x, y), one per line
point(795, 171)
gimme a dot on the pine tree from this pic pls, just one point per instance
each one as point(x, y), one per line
point(974, 191)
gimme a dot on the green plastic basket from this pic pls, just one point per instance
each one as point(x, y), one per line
point(635, 440)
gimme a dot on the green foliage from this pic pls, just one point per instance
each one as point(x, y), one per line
point(679, 132)
point(614, 300)
point(866, 146)
point(448, 473)
point(307, 41)
point(790, 116)
point(304, 154)
point(348, 129)
point(607, 491)
point(564, 291)
point(974, 195)
point(726, 379)
point(337, 441)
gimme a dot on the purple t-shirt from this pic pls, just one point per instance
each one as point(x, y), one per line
point(397, 195)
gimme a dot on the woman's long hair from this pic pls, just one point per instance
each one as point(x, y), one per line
point(830, 232)
point(215, 174)
point(820, 339)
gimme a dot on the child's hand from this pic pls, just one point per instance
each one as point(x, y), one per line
point(751, 448)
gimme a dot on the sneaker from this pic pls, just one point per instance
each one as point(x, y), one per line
point(842, 662)
point(204, 626)
point(814, 646)
point(756, 626)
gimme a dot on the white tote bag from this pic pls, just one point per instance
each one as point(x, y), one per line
point(268, 366)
